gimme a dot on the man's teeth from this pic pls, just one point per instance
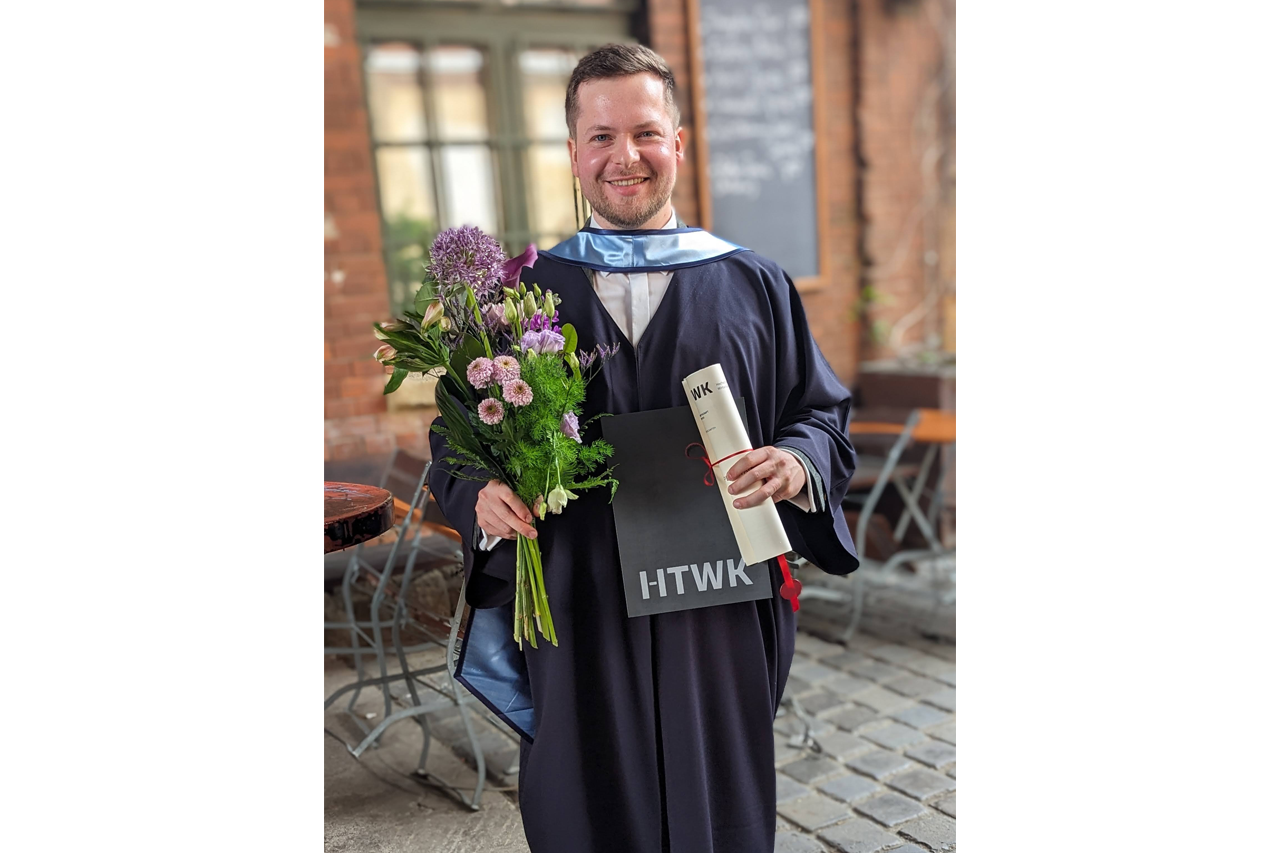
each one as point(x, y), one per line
point(629, 182)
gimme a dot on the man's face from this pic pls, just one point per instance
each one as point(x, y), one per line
point(625, 151)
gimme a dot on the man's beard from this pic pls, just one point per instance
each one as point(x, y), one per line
point(628, 216)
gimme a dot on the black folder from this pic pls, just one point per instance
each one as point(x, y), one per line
point(676, 545)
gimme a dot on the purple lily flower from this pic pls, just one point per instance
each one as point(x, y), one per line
point(569, 426)
point(511, 269)
point(542, 342)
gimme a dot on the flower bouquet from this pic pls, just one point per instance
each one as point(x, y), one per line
point(510, 389)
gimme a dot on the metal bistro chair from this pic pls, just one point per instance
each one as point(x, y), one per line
point(405, 478)
point(933, 428)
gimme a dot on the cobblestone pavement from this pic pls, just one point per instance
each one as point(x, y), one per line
point(878, 772)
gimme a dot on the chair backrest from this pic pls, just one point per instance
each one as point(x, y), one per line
point(403, 476)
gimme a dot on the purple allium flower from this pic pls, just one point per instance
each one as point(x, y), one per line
point(480, 372)
point(539, 322)
point(569, 426)
point(512, 268)
point(491, 411)
point(505, 369)
point(469, 256)
point(542, 342)
point(517, 392)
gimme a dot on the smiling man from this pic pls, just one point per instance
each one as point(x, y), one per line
point(654, 733)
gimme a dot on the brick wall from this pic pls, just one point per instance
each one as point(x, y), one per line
point(357, 421)
point(906, 124)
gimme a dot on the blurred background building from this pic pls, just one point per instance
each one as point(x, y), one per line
point(440, 114)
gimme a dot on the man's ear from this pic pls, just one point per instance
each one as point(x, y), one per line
point(573, 157)
point(679, 145)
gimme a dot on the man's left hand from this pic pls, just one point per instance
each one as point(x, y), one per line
point(780, 473)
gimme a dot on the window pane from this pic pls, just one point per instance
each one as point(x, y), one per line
point(551, 189)
point(404, 178)
point(468, 179)
point(395, 93)
point(408, 211)
point(457, 82)
point(546, 76)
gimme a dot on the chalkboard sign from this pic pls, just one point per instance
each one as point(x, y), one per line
point(756, 123)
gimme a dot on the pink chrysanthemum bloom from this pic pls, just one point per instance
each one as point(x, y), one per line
point(480, 372)
point(491, 411)
point(505, 369)
point(517, 392)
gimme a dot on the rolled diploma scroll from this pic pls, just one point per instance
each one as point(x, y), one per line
point(758, 529)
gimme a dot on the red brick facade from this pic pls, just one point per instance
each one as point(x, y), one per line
point(878, 66)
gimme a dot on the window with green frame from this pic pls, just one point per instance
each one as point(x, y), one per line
point(466, 114)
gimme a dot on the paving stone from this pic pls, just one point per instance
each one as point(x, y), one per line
point(844, 659)
point(846, 685)
point(896, 653)
point(814, 811)
point(944, 698)
point(851, 788)
point(779, 741)
point(878, 763)
point(792, 725)
point(935, 831)
point(882, 700)
point(864, 643)
point(809, 769)
point(921, 716)
point(947, 677)
point(946, 651)
point(891, 809)
point(876, 670)
point(812, 646)
point(789, 789)
point(946, 804)
point(858, 836)
point(895, 736)
point(791, 842)
point(843, 745)
point(852, 718)
point(932, 667)
point(819, 701)
point(795, 686)
point(952, 772)
point(914, 686)
point(910, 848)
point(813, 672)
point(934, 753)
point(946, 732)
point(921, 784)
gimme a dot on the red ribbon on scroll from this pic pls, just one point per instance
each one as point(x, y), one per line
point(790, 589)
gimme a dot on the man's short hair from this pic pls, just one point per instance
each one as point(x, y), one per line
point(619, 60)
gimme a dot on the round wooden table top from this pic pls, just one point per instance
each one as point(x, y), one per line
point(354, 513)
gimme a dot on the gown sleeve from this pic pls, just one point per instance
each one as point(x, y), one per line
point(491, 574)
point(813, 418)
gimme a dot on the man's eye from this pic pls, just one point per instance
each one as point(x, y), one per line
point(599, 137)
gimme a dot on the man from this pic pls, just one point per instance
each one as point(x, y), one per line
point(655, 733)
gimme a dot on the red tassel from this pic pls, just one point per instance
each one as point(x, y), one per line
point(790, 586)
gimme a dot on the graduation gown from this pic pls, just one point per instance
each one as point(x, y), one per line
point(655, 733)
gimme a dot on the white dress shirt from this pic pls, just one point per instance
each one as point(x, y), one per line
point(631, 300)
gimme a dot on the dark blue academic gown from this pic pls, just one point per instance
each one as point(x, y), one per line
point(655, 733)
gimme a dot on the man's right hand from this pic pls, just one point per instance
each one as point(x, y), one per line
point(499, 512)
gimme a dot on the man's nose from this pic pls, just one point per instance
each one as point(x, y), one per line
point(625, 152)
